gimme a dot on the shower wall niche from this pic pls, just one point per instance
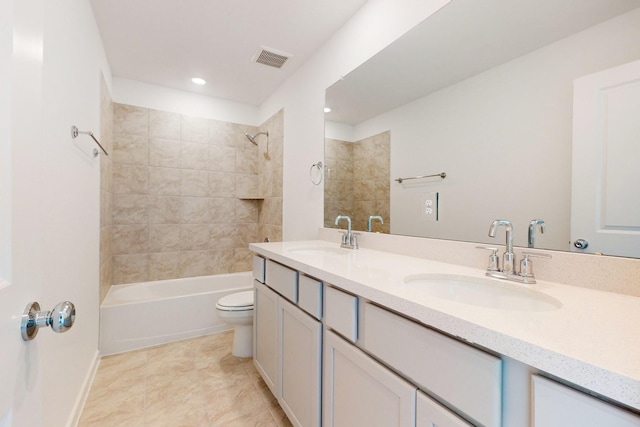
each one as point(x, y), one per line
point(189, 194)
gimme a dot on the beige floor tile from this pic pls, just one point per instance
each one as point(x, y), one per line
point(232, 402)
point(260, 418)
point(216, 378)
point(189, 414)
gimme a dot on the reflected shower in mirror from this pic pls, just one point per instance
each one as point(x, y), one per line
point(483, 91)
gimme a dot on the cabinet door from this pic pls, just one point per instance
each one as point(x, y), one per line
point(266, 356)
point(358, 391)
point(429, 413)
point(301, 350)
point(556, 405)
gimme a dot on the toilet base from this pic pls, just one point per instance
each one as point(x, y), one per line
point(243, 341)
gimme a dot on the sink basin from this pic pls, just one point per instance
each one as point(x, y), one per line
point(319, 250)
point(483, 292)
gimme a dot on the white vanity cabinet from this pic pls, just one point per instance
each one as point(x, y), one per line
point(556, 405)
point(430, 413)
point(359, 391)
point(288, 342)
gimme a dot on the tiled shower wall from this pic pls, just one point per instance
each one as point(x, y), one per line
point(358, 184)
point(186, 199)
point(106, 188)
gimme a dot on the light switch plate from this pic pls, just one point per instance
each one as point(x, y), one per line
point(429, 206)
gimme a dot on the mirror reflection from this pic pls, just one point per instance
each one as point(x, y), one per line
point(484, 91)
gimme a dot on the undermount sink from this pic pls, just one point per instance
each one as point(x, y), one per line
point(483, 292)
point(319, 250)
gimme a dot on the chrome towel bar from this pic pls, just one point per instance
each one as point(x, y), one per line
point(442, 175)
point(75, 132)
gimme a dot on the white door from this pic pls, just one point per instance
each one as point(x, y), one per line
point(605, 205)
point(20, 272)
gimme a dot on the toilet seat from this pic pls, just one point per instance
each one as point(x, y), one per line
point(240, 301)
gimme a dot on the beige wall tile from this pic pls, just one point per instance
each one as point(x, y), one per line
point(194, 156)
point(129, 209)
point(247, 159)
point(222, 236)
point(106, 173)
point(130, 239)
point(222, 159)
point(130, 268)
point(164, 152)
point(221, 260)
point(164, 125)
point(130, 120)
point(164, 181)
point(106, 208)
point(222, 210)
point(246, 186)
point(194, 237)
point(131, 149)
point(222, 184)
point(164, 209)
point(106, 248)
point(194, 183)
point(242, 260)
point(163, 266)
point(164, 238)
point(195, 129)
point(195, 263)
point(221, 133)
point(106, 278)
point(195, 210)
point(246, 211)
point(247, 233)
point(130, 179)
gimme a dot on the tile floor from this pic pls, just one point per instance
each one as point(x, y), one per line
point(193, 383)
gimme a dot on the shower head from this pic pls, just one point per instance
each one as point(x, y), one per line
point(252, 138)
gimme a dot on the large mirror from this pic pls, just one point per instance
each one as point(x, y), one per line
point(484, 92)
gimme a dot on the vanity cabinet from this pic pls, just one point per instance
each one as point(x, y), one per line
point(556, 405)
point(430, 413)
point(359, 391)
point(288, 342)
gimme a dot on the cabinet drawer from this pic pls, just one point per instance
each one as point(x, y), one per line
point(468, 379)
point(282, 280)
point(258, 268)
point(310, 296)
point(556, 405)
point(341, 313)
point(430, 413)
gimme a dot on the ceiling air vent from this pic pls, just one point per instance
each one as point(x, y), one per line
point(271, 57)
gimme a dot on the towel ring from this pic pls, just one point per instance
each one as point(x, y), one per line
point(318, 166)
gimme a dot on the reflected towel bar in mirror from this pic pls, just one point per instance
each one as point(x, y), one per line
point(442, 175)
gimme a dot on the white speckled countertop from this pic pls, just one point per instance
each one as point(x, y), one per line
point(591, 341)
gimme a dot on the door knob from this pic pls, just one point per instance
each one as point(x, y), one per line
point(60, 319)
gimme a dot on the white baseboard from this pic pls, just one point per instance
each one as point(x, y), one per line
point(84, 393)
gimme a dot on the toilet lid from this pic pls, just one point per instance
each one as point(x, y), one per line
point(239, 300)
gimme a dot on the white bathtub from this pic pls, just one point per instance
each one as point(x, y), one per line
point(145, 314)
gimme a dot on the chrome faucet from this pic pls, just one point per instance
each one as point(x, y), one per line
point(508, 258)
point(349, 240)
point(532, 230)
point(371, 218)
point(525, 275)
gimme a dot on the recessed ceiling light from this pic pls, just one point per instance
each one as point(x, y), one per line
point(198, 81)
point(327, 109)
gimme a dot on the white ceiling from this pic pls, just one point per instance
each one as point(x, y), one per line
point(167, 42)
point(462, 39)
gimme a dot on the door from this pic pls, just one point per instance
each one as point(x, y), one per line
point(605, 205)
point(358, 391)
point(21, 42)
point(301, 352)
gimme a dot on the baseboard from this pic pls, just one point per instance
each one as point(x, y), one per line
point(84, 393)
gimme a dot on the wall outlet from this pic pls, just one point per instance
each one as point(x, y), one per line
point(429, 207)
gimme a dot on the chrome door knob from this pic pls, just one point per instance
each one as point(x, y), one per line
point(60, 319)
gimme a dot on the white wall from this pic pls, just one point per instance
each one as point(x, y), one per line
point(373, 27)
point(504, 139)
point(147, 95)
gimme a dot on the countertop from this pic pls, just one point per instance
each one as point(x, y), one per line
point(591, 341)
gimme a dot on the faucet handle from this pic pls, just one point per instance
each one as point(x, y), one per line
point(494, 263)
point(526, 267)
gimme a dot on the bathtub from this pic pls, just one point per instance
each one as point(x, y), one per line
point(145, 314)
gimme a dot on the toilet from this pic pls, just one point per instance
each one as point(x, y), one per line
point(237, 310)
